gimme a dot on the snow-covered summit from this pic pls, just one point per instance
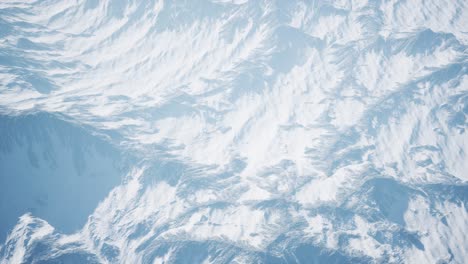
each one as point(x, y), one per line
point(233, 131)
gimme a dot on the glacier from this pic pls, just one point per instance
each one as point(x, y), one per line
point(233, 131)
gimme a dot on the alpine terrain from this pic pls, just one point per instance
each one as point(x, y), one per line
point(233, 131)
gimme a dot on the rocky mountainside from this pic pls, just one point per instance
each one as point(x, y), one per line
point(233, 131)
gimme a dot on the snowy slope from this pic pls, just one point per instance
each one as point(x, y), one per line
point(234, 131)
point(53, 170)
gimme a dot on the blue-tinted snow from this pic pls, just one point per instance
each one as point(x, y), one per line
point(233, 131)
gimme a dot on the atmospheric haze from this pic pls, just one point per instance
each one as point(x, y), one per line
point(233, 131)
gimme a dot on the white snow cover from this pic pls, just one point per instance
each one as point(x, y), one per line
point(251, 131)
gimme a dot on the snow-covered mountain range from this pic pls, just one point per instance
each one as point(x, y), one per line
point(233, 131)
